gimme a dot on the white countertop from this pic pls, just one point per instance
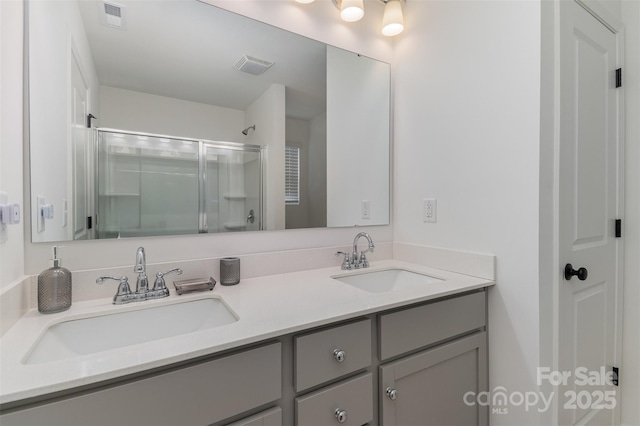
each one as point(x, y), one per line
point(267, 307)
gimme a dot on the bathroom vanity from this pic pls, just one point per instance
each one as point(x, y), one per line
point(307, 349)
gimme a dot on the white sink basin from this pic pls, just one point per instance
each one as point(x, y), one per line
point(100, 333)
point(387, 280)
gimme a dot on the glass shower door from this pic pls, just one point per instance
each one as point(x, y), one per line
point(148, 185)
point(232, 187)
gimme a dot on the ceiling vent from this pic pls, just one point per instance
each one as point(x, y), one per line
point(112, 15)
point(252, 65)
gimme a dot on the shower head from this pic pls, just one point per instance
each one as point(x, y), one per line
point(246, 131)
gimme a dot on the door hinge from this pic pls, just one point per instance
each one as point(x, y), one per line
point(89, 222)
point(618, 228)
point(619, 77)
point(614, 376)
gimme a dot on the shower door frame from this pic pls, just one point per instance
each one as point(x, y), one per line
point(203, 144)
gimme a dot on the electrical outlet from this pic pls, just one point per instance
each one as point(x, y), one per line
point(366, 209)
point(429, 210)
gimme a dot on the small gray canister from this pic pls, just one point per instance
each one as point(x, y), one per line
point(229, 270)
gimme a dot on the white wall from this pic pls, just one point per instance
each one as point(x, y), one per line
point(467, 114)
point(11, 251)
point(357, 127)
point(267, 113)
point(142, 112)
point(57, 30)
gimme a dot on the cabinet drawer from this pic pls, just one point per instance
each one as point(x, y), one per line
point(325, 355)
point(203, 393)
point(271, 417)
point(413, 328)
point(352, 398)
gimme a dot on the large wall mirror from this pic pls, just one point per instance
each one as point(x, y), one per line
point(177, 117)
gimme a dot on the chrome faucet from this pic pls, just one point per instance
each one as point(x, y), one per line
point(352, 260)
point(124, 293)
point(142, 285)
point(361, 262)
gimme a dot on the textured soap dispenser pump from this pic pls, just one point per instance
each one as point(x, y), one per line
point(54, 287)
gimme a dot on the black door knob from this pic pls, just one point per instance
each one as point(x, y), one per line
point(569, 272)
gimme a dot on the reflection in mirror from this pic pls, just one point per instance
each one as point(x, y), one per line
point(152, 185)
point(102, 79)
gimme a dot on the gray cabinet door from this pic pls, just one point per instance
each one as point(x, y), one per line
point(204, 393)
point(430, 386)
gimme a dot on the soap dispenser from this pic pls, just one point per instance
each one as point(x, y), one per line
point(54, 287)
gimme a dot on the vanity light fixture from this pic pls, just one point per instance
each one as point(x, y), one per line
point(353, 10)
point(350, 10)
point(392, 21)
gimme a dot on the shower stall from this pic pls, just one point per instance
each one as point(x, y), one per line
point(163, 185)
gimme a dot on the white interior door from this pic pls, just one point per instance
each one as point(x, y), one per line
point(589, 202)
point(79, 152)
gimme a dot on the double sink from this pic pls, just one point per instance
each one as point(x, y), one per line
point(93, 334)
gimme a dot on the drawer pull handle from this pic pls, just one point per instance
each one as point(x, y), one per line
point(341, 415)
point(391, 393)
point(339, 355)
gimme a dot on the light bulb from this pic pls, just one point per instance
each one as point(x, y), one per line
point(352, 10)
point(392, 21)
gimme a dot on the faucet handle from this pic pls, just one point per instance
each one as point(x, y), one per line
point(159, 283)
point(346, 263)
point(364, 263)
point(123, 288)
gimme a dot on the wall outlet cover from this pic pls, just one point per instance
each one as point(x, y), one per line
point(429, 210)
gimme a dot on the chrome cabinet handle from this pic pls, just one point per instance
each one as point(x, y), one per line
point(339, 355)
point(391, 393)
point(341, 415)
